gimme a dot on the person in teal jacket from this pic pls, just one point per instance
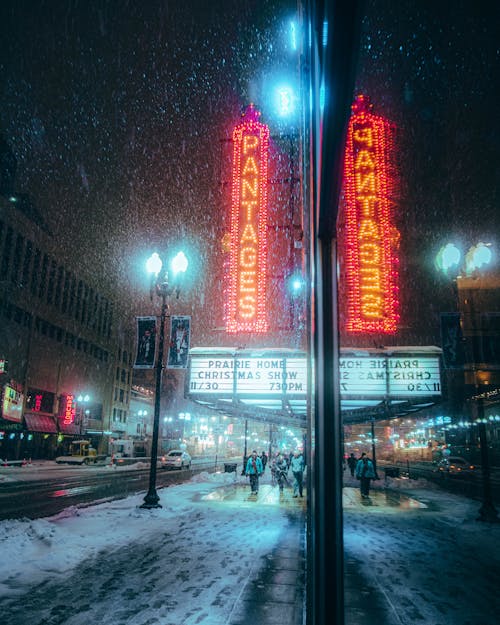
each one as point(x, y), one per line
point(364, 473)
point(254, 471)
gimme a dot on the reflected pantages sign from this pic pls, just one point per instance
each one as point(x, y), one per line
point(371, 262)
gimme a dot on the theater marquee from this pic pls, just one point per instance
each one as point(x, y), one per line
point(280, 374)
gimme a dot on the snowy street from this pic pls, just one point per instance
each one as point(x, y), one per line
point(413, 554)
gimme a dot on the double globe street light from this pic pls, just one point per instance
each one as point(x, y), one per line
point(461, 271)
point(164, 288)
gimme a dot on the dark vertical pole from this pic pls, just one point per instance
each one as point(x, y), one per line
point(245, 452)
point(374, 457)
point(151, 500)
point(335, 31)
point(487, 511)
point(328, 518)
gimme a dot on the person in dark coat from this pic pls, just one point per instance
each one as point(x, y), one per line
point(263, 458)
point(352, 462)
point(279, 470)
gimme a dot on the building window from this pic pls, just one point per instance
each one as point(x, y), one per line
point(43, 276)
point(16, 261)
point(34, 273)
point(78, 307)
point(52, 280)
point(28, 253)
point(72, 296)
point(7, 249)
point(57, 297)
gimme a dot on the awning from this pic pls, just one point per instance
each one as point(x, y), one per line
point(40, 423)
point(69, 428)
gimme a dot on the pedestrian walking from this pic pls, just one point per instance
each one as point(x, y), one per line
point(254, 471)
point(263, 458)
point(364, 473)
point(352, 462)
point(297, 467)
point(279, 470)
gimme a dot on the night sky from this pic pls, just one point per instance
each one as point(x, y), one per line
point(116, 112)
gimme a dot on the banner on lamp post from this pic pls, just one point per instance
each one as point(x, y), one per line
point(146, 343)
point(180, 337)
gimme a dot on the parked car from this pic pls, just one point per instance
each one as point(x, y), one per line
point(176, 459)
point(455, 465)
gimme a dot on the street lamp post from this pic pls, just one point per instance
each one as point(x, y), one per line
point(81, 401)
point(160, 284)
point(448, 261)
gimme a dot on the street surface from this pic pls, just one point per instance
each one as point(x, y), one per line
point(214, 555)
point(45, 488)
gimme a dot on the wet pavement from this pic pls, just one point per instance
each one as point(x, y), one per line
point(276, 593)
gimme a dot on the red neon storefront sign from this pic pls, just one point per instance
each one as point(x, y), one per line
point(246, 294)
point(371, 263)
point(69, 410)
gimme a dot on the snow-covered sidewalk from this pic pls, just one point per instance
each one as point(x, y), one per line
point(114, 563)
point(416, 554)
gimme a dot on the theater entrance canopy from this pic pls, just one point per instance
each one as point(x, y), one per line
point(273, 385)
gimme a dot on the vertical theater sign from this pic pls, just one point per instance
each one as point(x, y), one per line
point(371, 264)
point(246, 294)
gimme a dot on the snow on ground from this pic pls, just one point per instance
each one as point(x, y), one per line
point(431, 560)
point(186, 562)
point(428, 559)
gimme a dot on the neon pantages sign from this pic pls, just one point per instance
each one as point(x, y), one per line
point(246, 295)
point(371, 262)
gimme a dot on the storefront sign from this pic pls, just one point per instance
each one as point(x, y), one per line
point(67, 409)
point(12, 405)
point(38, 400)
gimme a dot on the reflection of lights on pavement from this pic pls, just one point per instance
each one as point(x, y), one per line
point(69, 492)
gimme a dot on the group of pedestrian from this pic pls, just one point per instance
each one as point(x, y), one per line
point(364, 471)
point(280, 465)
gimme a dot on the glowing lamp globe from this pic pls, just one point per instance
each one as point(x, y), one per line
point(180, 263)
point(448, 257)
point(477, 256)
point(154, 264)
